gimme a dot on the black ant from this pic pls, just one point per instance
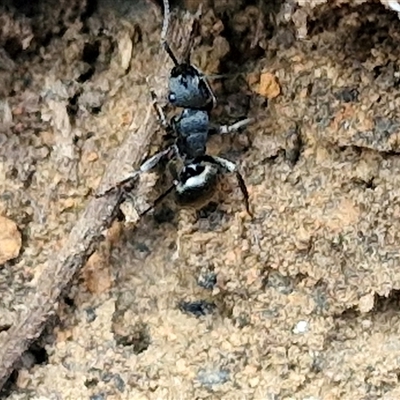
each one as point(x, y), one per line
point(190, 90)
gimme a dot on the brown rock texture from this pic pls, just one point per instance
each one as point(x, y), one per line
point(299, 303)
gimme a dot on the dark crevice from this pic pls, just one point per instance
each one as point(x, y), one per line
point(91, 382)
point(367, 184)
point(358, 151)
point(91, 8)
point(9, 386)
point(164, 214)
point(13, 47)
point(347, 314)
point(28, 179)
point(4, 327)
point(86, 75)
point(383, 303)
point(211, 212)
point(327, 20)
point(376, 27)
point(95, 110)
point(136, 336)
point(39, 354)
point(69, 301)
point(271, 159)
point(294, 145)
point(348, 95)
point(91, 52)
point(46, 23)
point(72, 106)
point(28, 8)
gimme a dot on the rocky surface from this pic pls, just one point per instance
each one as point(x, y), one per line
point(302, 302)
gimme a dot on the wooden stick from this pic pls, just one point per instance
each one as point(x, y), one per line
point(82, 243)
point(88, 231)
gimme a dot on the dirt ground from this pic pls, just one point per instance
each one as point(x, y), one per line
point(300, 303)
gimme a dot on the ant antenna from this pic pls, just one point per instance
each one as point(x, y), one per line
point(194, 32)
point(164, 32)
point(164, 29)
point(170, 53)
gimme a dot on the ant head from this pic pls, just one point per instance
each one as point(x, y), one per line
point(187, 88)
point(196, 182)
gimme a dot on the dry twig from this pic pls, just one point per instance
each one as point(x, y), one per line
point(87, 233)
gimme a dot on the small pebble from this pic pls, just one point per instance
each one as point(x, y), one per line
point(197, 308)
point(301, 327)
point(90, 314)
point(119, 383)
point(10, 240)
point(210, 378)
point(100, 396)
point(207, 280)
point(106, 377)
point(269, 86)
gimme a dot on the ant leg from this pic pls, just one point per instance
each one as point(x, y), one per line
point(224, 129)
point(203, 79)
point(209, 89)
point(232, 167)
point(153, 161)
point(162, 119)
point(229, 166)
point(146, 166)
point(243, 188)
point(190, 43)
point(164, 32)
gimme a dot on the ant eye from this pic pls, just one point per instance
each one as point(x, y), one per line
point(172, 97)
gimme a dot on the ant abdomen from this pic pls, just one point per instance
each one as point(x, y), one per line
point(196, 183)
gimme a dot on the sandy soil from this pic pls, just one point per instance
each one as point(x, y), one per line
point(302, 302)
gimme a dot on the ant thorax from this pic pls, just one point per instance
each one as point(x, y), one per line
point(192, 129)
